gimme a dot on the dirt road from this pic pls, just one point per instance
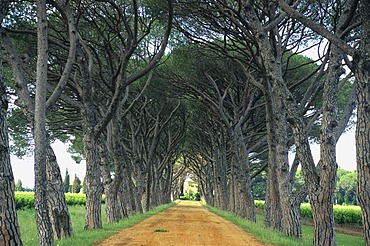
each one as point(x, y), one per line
point(188, 223)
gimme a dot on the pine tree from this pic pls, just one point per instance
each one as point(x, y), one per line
point(66, 182)
point(76, 187)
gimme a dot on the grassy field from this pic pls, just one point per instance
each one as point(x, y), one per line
point(81, 237)
point(275, 238)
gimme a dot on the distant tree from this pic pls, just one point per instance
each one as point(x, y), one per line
point(346, 188)
point(18, 185)
point(66, 182)
point(76, 186)
point(83, 186)
point(298, 181)
point(259, 186)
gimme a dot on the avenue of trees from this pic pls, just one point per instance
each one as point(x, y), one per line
point(147, 91)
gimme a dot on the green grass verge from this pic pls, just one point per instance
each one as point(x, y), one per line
point(81, 237)
point(275, 238)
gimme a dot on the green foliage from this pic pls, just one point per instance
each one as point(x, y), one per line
point(298, 181)
point(66, 182)
point(259, 186)
point(259, 204)
point(20, 133)
point(347, 215)
point(346, 187)
point(306, 211)
point(342, 214)
point(25, 200)
point(190, 195)
point(76, 149)
point(18, 185)
point(76, 187)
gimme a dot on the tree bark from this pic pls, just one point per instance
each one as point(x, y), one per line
point(362, 73)
point(113, 202)
point(9, 232)
point(272, 208)
point(57, 204)
point(245, 202)
point(45, 233)
point(94, 189)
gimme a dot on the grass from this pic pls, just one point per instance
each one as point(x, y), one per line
point(81, 237)
point(275, 238)
point(161, 230)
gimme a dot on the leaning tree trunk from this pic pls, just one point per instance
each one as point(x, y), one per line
point(245, 203)
point(9, 232)
point(57, 205)
point(112, 201)
point(93, 185)
point(45, 233)
point(287, 214)
point(322, 199)
point(134, 202)
point(272, 209)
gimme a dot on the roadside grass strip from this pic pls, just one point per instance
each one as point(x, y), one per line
point(272, 237)
point(80, 236)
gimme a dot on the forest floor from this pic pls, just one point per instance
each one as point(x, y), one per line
point(188, 223)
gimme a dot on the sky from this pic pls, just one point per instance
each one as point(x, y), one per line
point(23, 168)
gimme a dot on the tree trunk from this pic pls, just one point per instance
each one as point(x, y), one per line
point(242, 189)
point(362, 73)
point(363, 145)
point(130, 192)
point(45, 233)
point(94, 189)
point(113, 202)
point(289, 204)
point(272, 208)
point(57, 205)
point(9, 232)
point(56, 199)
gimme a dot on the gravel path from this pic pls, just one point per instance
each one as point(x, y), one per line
point(187, 223)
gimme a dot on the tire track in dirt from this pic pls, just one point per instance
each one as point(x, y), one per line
point(187, 223)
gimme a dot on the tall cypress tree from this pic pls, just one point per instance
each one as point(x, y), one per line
point(66, 182)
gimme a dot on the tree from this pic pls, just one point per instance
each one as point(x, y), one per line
point(9, 232)
point(18, 185)
point(24, 78)
point(76, 186)
point(346, 188)
point(253, 34)
point(357, 16)
point(66, 182)
point(119, 72)
point(45, 233)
